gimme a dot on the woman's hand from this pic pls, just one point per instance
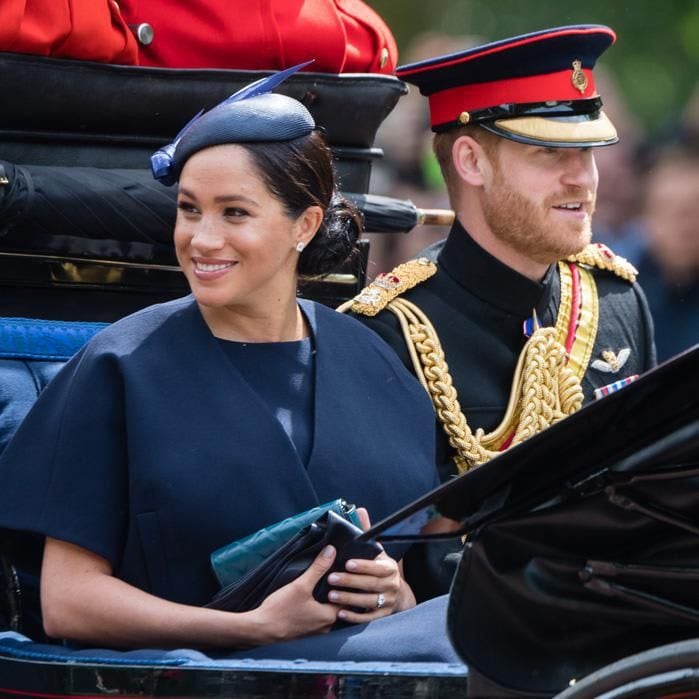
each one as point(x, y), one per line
point(292, 611)
point(373, 589)
point(375, 586)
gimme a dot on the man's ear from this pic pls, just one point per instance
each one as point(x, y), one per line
point(470, 160)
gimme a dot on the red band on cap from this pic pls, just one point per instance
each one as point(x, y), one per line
point(445, 106)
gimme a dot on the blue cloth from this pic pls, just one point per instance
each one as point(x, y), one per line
point(410, 643)
point(416, 635)
point(149, 448)
point(282, 374)
point(21, 382)
point(31, 353)
point(51, 340)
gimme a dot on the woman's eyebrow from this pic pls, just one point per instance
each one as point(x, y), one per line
point(221, 198)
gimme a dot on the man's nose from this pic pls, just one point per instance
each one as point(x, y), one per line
point(580, 169)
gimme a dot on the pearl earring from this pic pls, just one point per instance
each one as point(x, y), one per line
point(300, 247)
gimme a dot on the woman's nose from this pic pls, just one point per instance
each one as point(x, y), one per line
point(207, 235)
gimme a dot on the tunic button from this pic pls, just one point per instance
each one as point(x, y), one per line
point(144, 32)
point(383, 57)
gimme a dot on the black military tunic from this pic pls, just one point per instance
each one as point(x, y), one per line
point(478, 306)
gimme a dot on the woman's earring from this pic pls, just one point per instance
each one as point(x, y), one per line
point(300, 247)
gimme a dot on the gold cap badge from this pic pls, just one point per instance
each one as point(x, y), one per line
point(579, 79)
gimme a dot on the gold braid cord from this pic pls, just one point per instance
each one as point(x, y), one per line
point(600, 256)
point(546, 385)
point(544, 390)
point(388, 286)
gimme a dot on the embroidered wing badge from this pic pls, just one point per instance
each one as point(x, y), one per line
point(611, 362)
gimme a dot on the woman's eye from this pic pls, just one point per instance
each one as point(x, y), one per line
point(186, 207)
point(235, 212)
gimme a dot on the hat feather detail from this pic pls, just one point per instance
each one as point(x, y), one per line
point(162, 160)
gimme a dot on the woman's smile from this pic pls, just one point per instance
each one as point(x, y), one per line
point(209, 270)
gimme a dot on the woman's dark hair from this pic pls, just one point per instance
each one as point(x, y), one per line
point(300, 173)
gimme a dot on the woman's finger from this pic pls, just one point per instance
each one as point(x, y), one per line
point(380, 567)
point(354, 617)
point(363, 515)
point(369, 601)
point(320, 566)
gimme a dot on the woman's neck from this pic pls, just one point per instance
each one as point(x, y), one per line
point(282, 322)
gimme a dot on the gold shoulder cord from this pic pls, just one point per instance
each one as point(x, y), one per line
point(546, 385)
point(600, 256)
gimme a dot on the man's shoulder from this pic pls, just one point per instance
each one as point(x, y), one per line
point(616, 281)
point(389, 286)
point(600, 258)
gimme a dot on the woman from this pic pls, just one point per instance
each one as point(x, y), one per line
point(193, 423)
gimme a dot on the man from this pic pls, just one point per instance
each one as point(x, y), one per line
point(519, 321)
point(670, 262)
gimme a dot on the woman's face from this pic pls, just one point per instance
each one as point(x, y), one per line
point(234, 241)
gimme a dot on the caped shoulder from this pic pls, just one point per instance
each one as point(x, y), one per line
point(126, 332)
point(389, 285)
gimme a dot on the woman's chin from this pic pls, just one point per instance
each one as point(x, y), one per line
point(213, 299)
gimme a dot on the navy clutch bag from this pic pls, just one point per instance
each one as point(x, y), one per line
point(234, 561)
point(291, 559)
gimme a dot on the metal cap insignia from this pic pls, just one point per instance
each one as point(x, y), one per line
point(579, 79)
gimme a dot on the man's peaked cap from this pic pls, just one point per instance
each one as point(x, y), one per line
point(535, 88)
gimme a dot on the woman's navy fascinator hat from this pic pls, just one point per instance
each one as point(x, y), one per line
point(253, 114)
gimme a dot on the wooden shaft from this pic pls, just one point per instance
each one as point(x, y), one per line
point(435, 217)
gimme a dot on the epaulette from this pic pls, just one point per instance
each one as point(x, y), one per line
point(600, 256)
point(388, 285)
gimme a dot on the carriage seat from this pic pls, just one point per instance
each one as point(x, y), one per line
point(31, 353)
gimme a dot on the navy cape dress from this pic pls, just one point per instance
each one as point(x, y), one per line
point(151, 450)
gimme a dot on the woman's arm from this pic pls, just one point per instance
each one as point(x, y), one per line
point(82, 601)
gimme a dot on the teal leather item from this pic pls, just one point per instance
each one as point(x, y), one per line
point(233, 561)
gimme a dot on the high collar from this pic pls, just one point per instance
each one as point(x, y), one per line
point(484, 276)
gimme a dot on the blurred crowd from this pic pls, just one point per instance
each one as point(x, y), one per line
point(647, 204)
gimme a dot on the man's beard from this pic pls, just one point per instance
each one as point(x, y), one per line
point(524, 226)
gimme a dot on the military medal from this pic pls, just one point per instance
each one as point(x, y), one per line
point(531, 325)
point(614, 387)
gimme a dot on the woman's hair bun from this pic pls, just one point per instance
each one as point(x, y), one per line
point(335, 243)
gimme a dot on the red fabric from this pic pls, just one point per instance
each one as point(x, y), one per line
point(83, 29)
point(445, 106)
point(343, 36)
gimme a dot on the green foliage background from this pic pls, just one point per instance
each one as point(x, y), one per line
point(655, 58)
